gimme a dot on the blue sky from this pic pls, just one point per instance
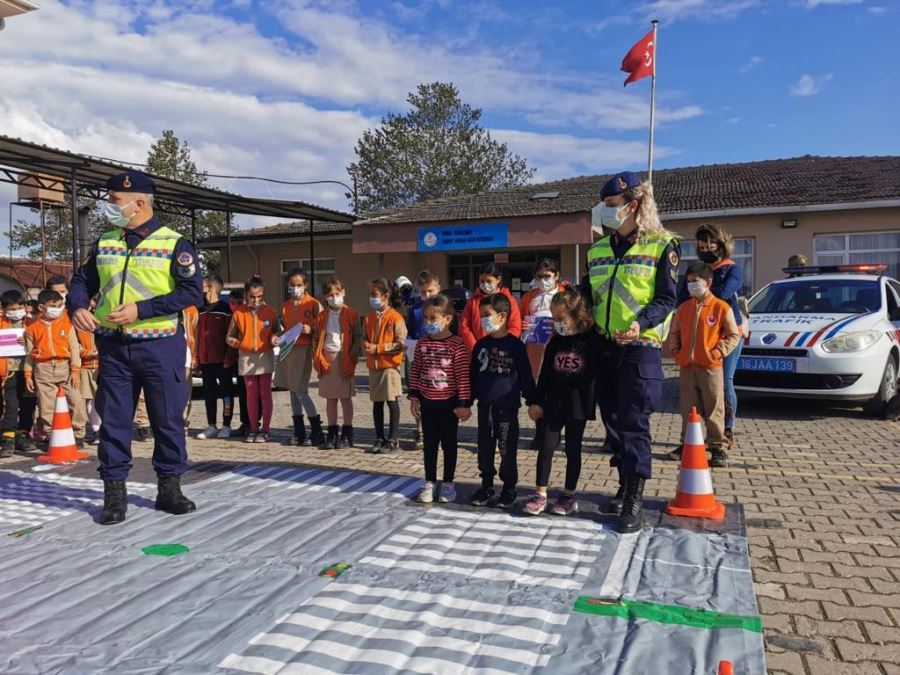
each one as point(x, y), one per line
point(283, 88)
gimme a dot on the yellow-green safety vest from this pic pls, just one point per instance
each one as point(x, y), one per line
point(132, 275)
point(622, 288)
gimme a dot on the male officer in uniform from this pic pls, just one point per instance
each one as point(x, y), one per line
point(144, 276)
point(631, 283)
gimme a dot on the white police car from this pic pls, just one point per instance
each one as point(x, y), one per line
point(827, 332)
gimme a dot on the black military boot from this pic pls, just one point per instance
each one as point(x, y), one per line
point(632, 517)
point(115, 502)
point(316, 437)
point(615, 504)
point(299, 431)
point(346, 436)
point(332, 441)
point(8, 446)
point(169, 497)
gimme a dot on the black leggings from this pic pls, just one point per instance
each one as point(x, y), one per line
point(552, 434)
point(378, 414)
point(439, 428)
point(217, 384)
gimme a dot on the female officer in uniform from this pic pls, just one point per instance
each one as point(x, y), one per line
point(631, 282)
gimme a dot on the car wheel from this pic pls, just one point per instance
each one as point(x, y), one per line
point(876, 405)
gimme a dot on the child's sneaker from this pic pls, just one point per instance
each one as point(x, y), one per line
point(448, 493)
point(208, 433)
point(250, 437)
point(375, 448)
point(565, 505)
point(719, 459)
point(262, 437)
point(535, 505)
point(224, 433)
point(506, 500)
point(426, 494)
point(482, 497)
point(417, 442)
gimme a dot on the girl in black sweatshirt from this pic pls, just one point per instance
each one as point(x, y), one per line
point(566, 396)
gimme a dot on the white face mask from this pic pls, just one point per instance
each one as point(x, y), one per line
point(115, 214)
point(487, 287)
point(53, 313)
point(561, 328)
point(488, 325)
point(610, 217)
point(336, 301)
point(376, 303)
point(546, 285)
point(297, 291)
point(16, 315)
point(697, 289)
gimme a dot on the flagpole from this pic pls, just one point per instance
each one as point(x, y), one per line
point(655, 23)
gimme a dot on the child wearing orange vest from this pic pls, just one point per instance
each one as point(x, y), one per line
point(90, 368)
point(337, 343)
point(704, 332)
point(18, 404)
point(295, 369)
point(252, 333)
point(53, 360)
point(385, 340)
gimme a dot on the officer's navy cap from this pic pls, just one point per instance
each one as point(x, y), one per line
point(619, 183)
point(131, 181)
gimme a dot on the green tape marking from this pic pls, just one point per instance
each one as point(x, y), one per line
point(27, 530)
point(651, 611)
point(167, 550)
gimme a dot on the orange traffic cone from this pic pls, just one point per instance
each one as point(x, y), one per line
point(62, 438)
point(694, 497)
point(725, 668)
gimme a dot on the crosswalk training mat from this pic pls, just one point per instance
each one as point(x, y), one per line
point(285, 569)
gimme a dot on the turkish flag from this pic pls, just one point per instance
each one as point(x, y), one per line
point(639, 61)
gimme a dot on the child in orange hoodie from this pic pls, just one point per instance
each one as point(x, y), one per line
point(703, 333)
point(252, 333)
point(54, 360)
point(337, 339)
point(385, 340)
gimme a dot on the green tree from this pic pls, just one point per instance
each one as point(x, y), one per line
point(57, 235)
point(171, 158)
point(437, 149)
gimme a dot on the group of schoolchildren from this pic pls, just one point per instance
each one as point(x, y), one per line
point(55, 355)
point(542, 348)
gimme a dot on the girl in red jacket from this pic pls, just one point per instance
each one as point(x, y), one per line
point(490, 281)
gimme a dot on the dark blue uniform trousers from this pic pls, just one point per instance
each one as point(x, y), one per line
point(158, 367)
point(629, 386)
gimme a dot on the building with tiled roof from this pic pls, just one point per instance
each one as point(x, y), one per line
point(830, 209)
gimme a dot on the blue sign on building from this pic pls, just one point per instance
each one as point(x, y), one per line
point(463, 237)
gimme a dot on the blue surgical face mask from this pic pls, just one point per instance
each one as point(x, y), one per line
point(114, 214)
point(488, 325)
point(432, 327)
point(608, 216)
point(376, 303)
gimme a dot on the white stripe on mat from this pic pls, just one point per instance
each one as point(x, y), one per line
point(522, 563)
point(496, 575)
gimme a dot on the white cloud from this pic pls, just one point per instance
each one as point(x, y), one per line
point(808, 85)
point(703, 10)
point(812, 4)
point(751, 64)
point(877, 10)
point(563, 156)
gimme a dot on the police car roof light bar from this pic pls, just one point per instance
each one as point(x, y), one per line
point(860, 268)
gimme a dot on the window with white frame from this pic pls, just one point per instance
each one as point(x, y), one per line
point(743, 256)
point(859, 247)
point(324, 269)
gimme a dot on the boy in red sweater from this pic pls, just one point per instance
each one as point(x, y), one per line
point(704, 332)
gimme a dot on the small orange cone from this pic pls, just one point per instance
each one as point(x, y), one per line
point(62, 437)
point(725, 668)
point(694, 497)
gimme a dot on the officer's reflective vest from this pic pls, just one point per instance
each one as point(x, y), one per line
point(132, 275)
point(622, 288)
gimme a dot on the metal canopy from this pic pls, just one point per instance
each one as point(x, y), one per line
point(18, 156)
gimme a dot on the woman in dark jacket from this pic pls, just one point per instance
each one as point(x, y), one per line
point(714, 247)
